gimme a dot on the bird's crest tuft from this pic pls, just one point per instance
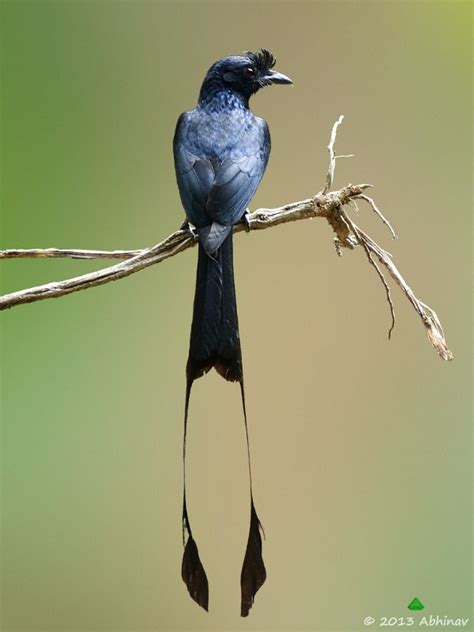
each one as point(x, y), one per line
point(263, 58)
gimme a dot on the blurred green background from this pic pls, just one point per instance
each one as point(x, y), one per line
point(361, 447)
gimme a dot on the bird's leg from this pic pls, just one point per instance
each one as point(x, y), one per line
point(190, 230)
point(246, 220)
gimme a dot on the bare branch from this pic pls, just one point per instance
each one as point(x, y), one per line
point(319, 206)
point(178, 241)
point(55, 253)
point(327, 204)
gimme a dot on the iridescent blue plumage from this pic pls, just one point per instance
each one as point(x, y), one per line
point(221, 150)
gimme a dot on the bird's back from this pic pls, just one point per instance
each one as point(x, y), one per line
point(219, 134)
point(220, 157)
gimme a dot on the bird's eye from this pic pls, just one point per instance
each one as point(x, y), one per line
point(249, 72)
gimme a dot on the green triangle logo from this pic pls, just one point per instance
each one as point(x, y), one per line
point(415, 604)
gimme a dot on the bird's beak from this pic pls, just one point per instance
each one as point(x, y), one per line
point(277, 77)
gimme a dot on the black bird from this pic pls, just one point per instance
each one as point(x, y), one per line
point(221, 150)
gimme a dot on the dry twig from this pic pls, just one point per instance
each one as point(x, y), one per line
point(55, 253)
point(328, 204)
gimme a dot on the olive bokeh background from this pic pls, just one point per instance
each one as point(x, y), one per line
point(361, 447)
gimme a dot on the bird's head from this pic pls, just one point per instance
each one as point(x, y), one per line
point(243, 74)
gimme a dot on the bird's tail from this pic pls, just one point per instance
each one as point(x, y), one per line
point(215, 342)
point(215, 338)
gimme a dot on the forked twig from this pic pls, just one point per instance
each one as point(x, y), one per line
point(376, 210)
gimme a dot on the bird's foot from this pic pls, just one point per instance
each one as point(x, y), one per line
point(246, 221)
point(186, 226)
